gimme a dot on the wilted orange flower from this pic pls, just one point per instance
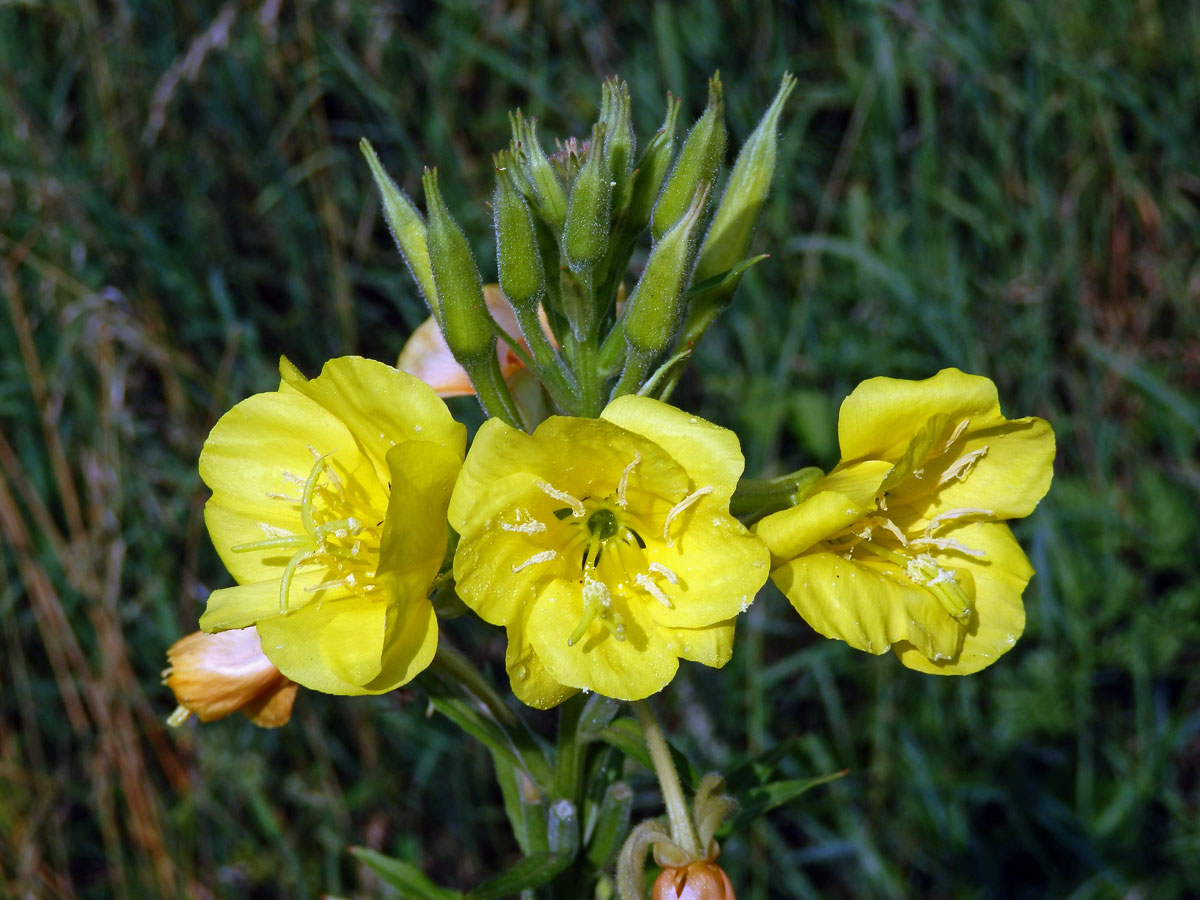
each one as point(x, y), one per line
point(214, 675)
point(427, 356)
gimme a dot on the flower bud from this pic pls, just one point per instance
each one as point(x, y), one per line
point(619, 142)
point(702, 880)
point(652, 312)
point(585, 234)
point(462, 313)
point(521, 275)
point(729, 234)
point(552, 199)
point(651, 170)
point(699, 159)
point(407, 226)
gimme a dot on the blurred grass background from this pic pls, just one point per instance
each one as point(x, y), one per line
point(1011, 188)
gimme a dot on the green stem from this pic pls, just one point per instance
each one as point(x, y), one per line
point(549, 366)
point(568, 759)
point(461, 692)
point(683, 833)
point(490, 388)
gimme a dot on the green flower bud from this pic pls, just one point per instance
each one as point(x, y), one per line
point(407, 227)
point(652, 313)
point(463, 316)
point(721, 260)
point(619, 142)
point(552, 199)
point(651, 170)
point(733, 223)
point(521, 275)
point(699, 159)
point(585, 234)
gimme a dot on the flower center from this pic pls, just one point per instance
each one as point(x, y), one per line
point(608, 539)
point(340, 533)
point(879, 536)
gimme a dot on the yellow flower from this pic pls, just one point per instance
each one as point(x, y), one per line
point(605, 547)
point(903, 544)
point(328, 508)
point(214, 675)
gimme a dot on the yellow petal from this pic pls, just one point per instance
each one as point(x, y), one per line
point(712, 455)
point(531, 683)
point(1011, 476)
point(719, 565)
point(252, 460)
point(409, 644)
point(497, 451)
point(882, 415)
point(630, 669)
point(1000, 578)
point(240, 606)
point(380, 406)
point(501, 563)
point(711, 646)
point(336, 647)
point(414, 532)
point(865, 607)
point(840, 499)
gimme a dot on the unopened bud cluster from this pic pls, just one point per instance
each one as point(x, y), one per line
point(567, 225)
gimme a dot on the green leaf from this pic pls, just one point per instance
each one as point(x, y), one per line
point(759, 800)
point(531, 872)
point(726, 279)
point(757, 770)
point(410, 881)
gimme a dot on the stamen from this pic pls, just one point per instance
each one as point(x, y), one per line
point(274, 495)
point(326, 585)
point(962, 466)
point(646, 583)
point(577, 510)
point(624, 483)
point(942, 583)
point(949, 515)
point(666, 573)
point(299, 558)
point(889, 526)
point(947, 544)
point(525, 524)
point(597, 603)
point(287, 540)
point(954, 436)
point(679, 508)
point(544, 556)
point(342, 528)
point(310, 487)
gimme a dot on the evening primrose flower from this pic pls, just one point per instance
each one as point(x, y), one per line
point(605, 547)
point(214, 675)
point(903, 545)
point(328, 508)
